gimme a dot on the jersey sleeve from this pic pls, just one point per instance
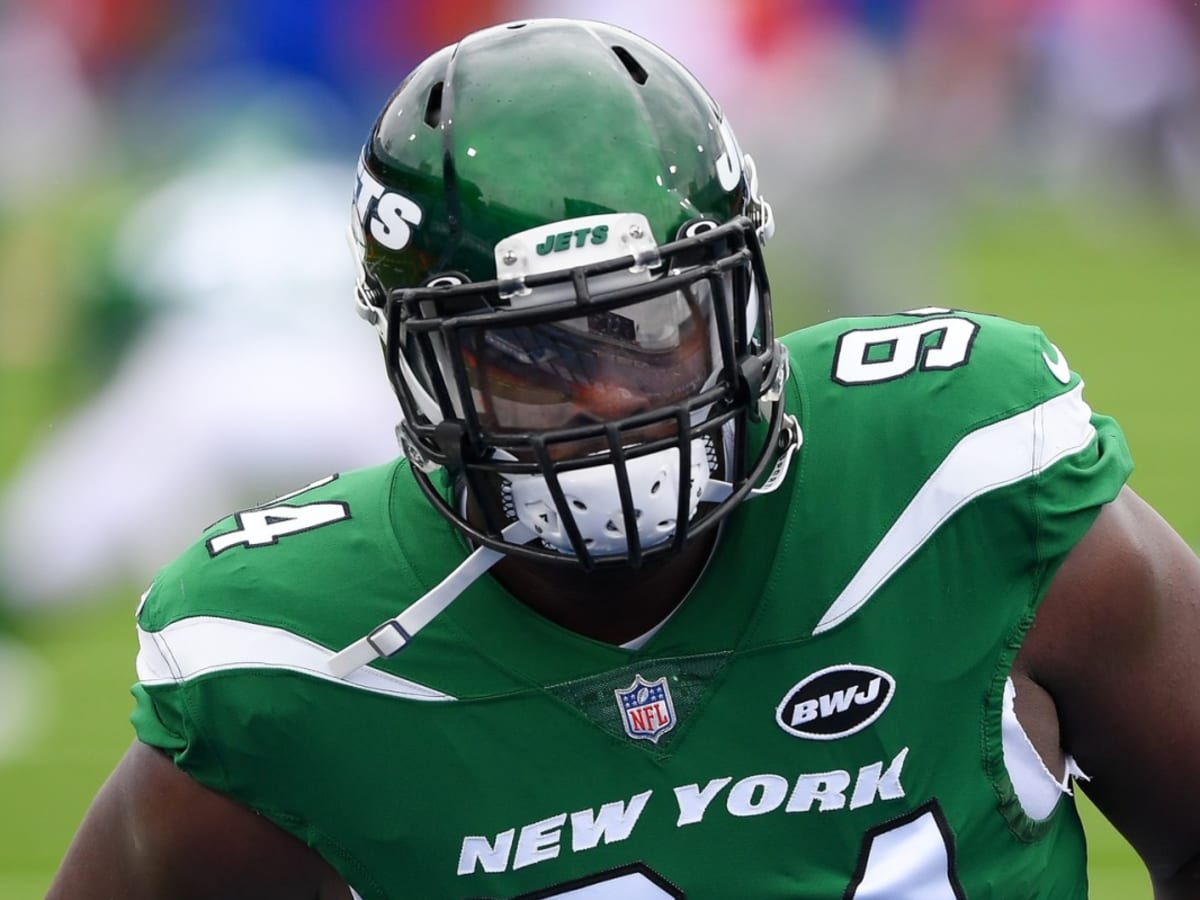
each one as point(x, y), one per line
point(162, 716)
point(1065, 459)
point(1078, 458)
point(159, 724)
point(1069, 494)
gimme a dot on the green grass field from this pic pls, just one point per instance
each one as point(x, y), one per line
point(1123, 303)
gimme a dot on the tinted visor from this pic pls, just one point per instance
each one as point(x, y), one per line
point(597, 368)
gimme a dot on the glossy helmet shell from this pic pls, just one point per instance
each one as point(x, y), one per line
point(532, 124)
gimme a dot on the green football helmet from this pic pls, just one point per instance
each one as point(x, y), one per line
point(559, 242)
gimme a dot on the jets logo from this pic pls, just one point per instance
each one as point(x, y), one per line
point(387, 216)
point(556, 242)
point(835, 702)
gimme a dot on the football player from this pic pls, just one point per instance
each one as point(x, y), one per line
point(656, 605)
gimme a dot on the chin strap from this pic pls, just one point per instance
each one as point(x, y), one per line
point(790, 440)
point(392, 636)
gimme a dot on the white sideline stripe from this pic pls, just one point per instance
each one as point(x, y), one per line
point(992, 457)
point(202, 645)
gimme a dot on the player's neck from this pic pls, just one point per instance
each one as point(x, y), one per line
point(614, 605)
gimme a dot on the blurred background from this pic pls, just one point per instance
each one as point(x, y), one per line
point(177, 338)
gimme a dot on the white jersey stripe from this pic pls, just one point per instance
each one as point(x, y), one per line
point(201, 645)
point(990, 458)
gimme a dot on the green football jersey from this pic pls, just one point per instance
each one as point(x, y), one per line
point(822, 718)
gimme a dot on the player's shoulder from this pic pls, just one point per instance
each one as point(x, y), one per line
point(290, 558)
point(968, 363)
point(912, 417)
point(914, 390)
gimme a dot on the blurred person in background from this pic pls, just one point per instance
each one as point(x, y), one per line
point(227, 118)
point(847, 614)
point(217, 399)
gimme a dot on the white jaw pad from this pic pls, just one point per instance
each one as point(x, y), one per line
point(595, 501)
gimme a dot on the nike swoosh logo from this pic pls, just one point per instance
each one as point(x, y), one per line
point(1058, 366)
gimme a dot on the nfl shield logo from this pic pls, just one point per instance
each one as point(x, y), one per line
point(646, 708)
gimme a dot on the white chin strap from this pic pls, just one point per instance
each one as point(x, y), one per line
point(594, 498)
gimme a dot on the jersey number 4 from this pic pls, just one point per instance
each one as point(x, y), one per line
point(265, 525)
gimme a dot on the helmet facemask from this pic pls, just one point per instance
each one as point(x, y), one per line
point(593, 403)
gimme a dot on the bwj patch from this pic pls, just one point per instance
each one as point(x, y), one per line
point(647, 710)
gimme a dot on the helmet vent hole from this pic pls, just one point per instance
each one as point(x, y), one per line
point(656, 487)
point(611, 527)
point(632, 66)
point(580, 505)
point(433, 106)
